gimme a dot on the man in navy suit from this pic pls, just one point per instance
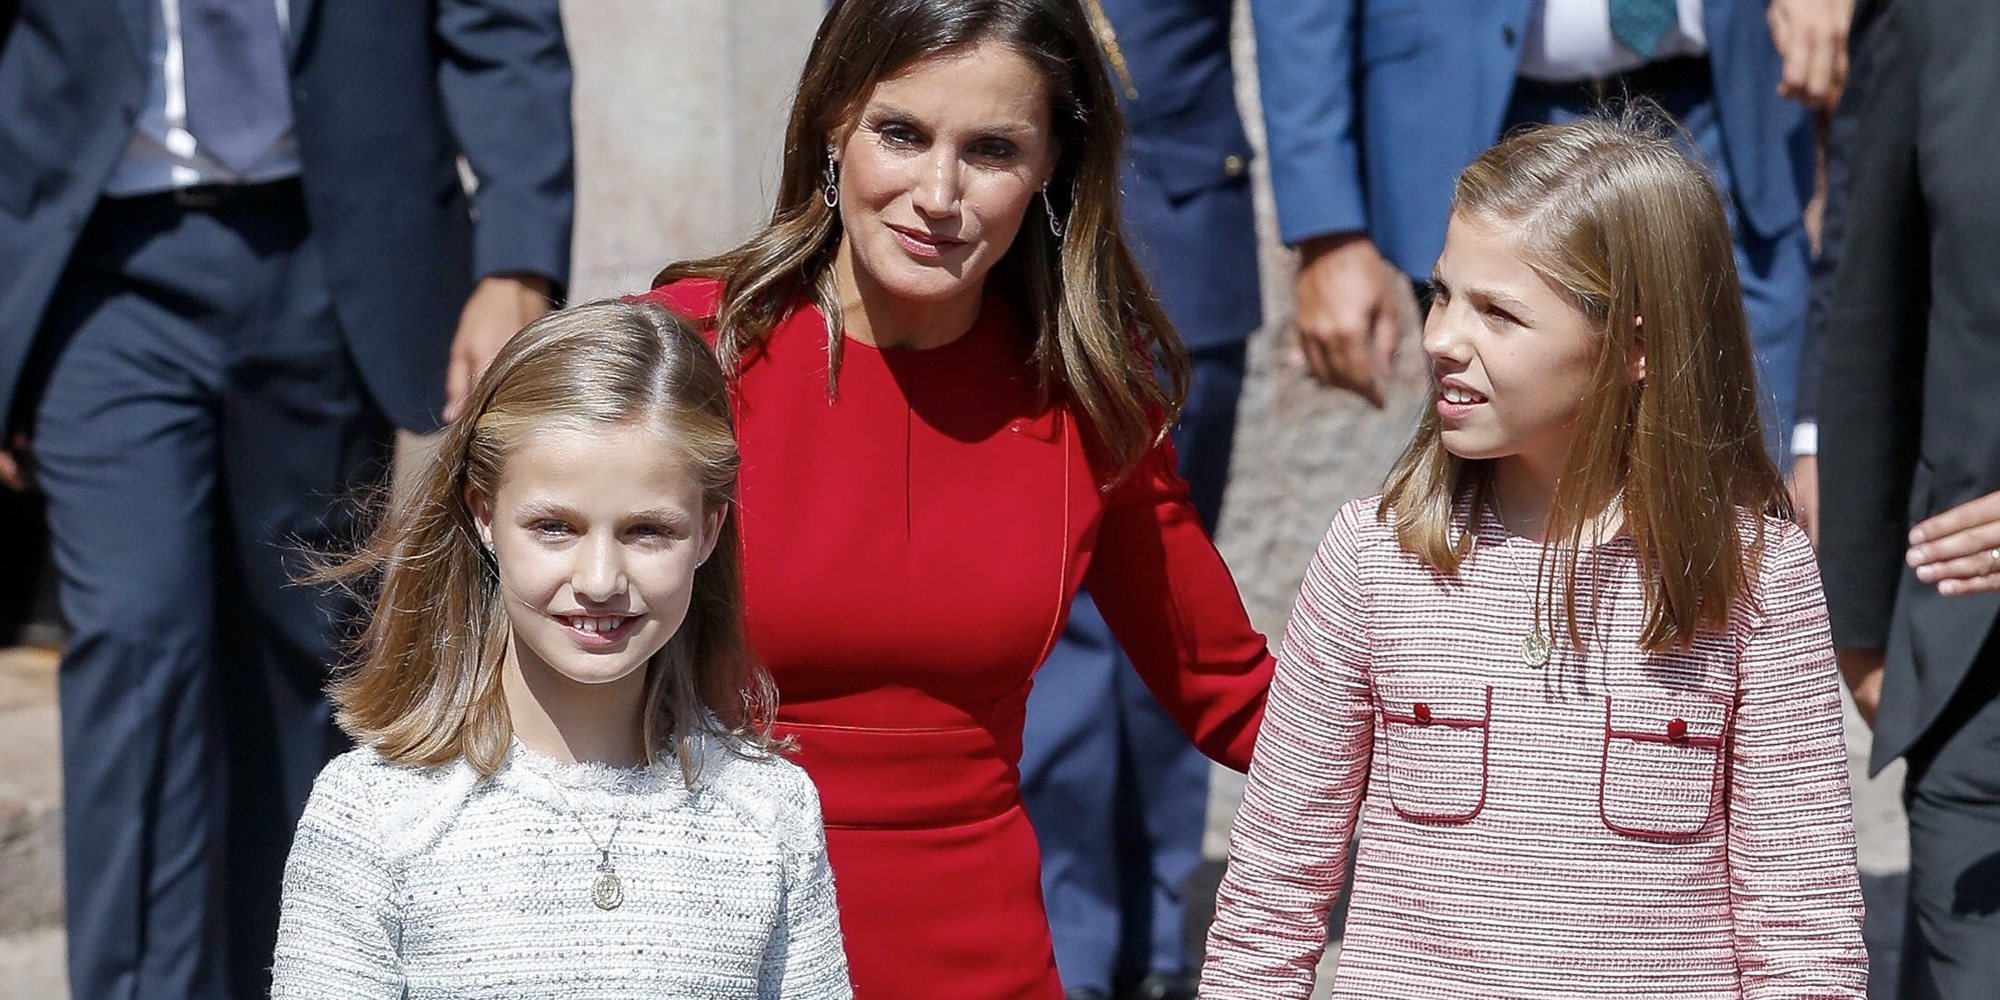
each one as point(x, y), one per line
point(1118, 794)
point(1391, 100)
point(238, 254)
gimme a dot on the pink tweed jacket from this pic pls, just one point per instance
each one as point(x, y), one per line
point(1615, 823)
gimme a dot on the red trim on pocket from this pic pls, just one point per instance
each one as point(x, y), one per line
point(1666, 735)
point(1430, 719)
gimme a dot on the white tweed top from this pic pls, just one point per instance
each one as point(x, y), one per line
point(428, 883)
point(1614, 823)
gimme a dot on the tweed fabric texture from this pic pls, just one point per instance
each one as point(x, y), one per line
point(431, 884)
point(1616, 823)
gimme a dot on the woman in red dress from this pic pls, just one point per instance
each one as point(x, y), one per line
point(950, 419)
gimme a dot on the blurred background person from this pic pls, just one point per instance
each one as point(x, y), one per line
point(1388, 104)
point(1911, 470)
point(1840, 127)
point(1118, 795)
point(238, 254)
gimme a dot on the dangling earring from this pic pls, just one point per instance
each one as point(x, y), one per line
point(831, 194)
point(1056, 225)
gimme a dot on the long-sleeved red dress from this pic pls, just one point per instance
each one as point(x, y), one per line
point(911, 545)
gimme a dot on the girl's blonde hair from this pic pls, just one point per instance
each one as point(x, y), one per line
point(427, 685)
point(1101, 339)
point(1615, 215)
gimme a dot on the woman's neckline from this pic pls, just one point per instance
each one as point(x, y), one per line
point(982, 321)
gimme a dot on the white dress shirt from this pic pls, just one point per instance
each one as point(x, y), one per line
point(163, 154)
point(1571, 40)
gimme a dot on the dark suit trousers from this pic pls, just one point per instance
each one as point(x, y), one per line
point(196, 421)
point(1951, 943)
point(1117, 793)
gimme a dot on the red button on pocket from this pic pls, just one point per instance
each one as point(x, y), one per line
point(1422, 713)
point(1677, 729)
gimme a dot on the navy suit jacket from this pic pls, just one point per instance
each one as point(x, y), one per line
point(1382, 102)
point(387, 95)
point(1187, 202)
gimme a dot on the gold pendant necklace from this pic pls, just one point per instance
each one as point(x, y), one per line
point(607, 891)
point(1536, 646)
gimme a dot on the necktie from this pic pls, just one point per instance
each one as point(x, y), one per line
point(1640, 24)
point(238, 94)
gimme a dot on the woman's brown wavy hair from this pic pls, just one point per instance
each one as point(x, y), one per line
point(426, 685)
point(1617, 217)
point(1101, 338)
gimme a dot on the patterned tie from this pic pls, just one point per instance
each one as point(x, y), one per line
point(238, 94)
point(1640, 24)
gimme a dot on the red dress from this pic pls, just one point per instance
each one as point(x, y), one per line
point(911, 545)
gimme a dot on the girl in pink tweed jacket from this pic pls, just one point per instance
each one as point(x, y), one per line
point(1570, 676)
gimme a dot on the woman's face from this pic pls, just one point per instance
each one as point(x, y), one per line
point(938, 170)
point(597, 534)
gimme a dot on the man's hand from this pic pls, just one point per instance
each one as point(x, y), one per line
point(1862, 670)
point(1804, 486)
point(500, 305)
point(1959, 550)
point(1811, 36)
point(1347, 316)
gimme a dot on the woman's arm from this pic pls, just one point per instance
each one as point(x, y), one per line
point(337, 927)
point(1171, 603)
point(1288, 846)
point(1793, 886)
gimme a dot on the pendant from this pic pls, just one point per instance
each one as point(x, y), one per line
point(607, 892)
point(1535, 648)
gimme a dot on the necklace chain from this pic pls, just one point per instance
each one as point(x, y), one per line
point(1535, 646)
point(607, 890)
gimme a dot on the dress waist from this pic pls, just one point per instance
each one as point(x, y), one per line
point(905, 778)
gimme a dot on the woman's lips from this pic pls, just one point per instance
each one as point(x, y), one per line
point(918, 243)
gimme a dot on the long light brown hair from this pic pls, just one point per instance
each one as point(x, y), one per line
point(426, 686)
point(1101, 338)
point(1616, 216)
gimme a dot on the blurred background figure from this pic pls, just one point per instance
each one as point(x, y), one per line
point(1911, 469)
point(1840, 127)
point(237, 248)
point(1117, 793)
point(1388, 104)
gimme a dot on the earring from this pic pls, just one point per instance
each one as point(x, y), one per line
point(1056, 225)
point(831, 194)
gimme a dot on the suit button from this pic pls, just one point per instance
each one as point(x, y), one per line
point(1232, 165)
point(1507, 35)
point(1677, 729)
point(1422, 712)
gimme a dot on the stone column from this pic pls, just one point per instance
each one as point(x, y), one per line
point(680, 116)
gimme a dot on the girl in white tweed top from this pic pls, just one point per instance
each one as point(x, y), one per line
point(565, 786)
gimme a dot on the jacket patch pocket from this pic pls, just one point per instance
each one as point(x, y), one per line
point(1661, 777)
point(1433, 751)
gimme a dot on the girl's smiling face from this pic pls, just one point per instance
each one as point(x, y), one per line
point(597, 533)
point(1512, 360)
point(939, 169)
